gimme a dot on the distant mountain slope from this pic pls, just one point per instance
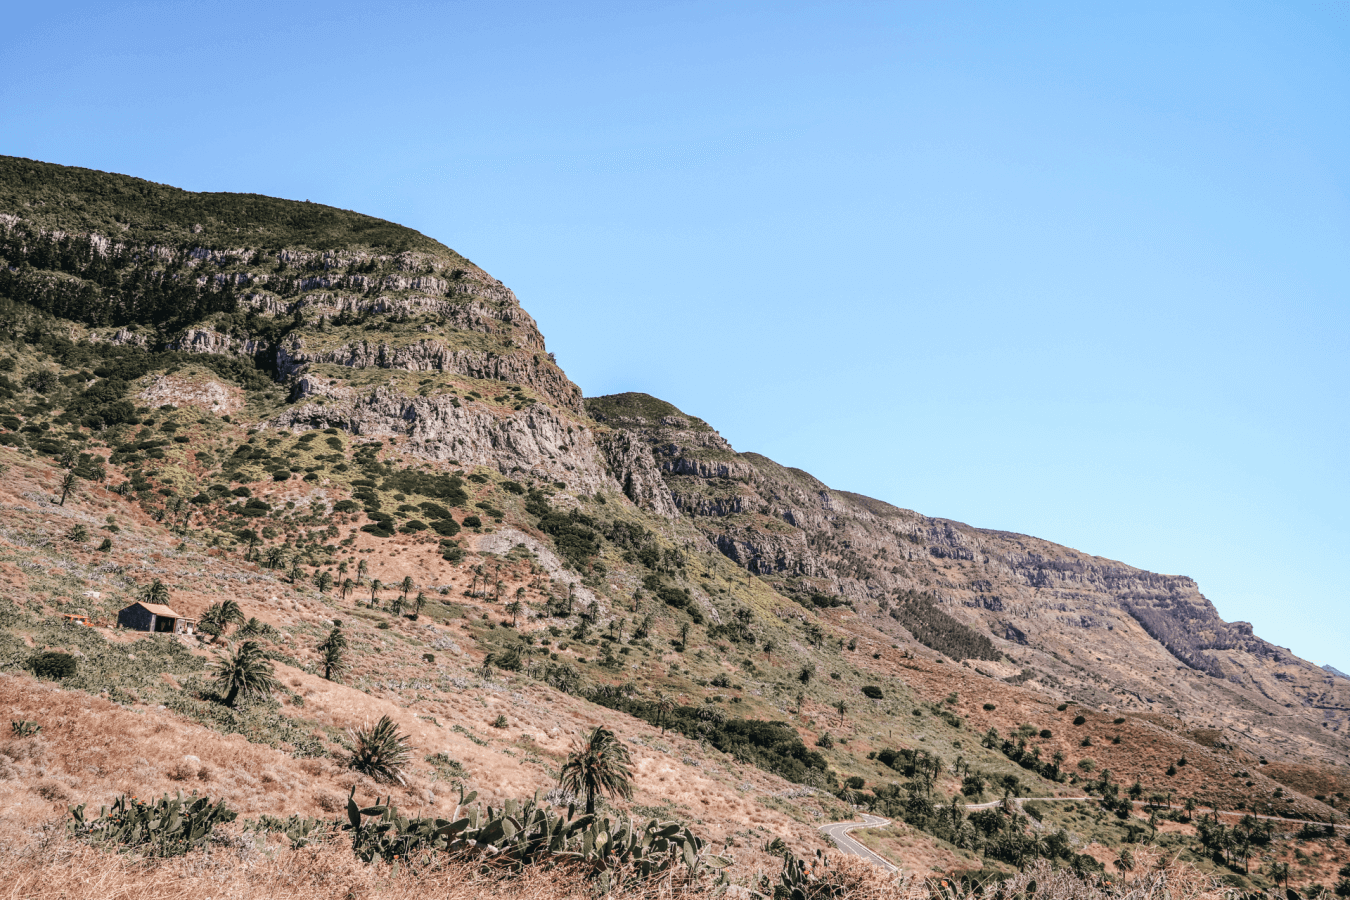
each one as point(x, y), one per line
point(1080, 626)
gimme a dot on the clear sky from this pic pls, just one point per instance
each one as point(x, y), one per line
point(1077, 270)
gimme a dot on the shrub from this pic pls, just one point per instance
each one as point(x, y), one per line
point(1045, 732)
point(854, 781)
point(990, 707)
point(445, 527)
point(473, 522)
point(1119, 721)
point(380, 751)
point(872, 691)
point(1062, 707)
point(1079, 720)
point(825, 742)
point(53, 664)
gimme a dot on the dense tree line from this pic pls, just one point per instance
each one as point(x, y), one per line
point(938, 631)
point(71, 278)
point(772, 746)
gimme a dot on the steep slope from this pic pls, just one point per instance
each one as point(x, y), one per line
point(328, 418)
point(1078, 626)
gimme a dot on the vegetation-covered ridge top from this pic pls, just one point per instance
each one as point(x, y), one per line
point(636, 406)
point(68, 198)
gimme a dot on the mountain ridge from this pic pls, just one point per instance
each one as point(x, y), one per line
point(300, 429)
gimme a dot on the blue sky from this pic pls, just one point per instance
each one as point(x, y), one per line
point(1076, 270)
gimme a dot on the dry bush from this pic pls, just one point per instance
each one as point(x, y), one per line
point(186, 769)
point(29, 749)
point(54, 791)
point(329, 803)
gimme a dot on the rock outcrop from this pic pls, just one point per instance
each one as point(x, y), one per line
point(532, 370)
point(630, 462)
point(536, 440)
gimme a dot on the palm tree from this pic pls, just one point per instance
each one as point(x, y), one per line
point(800, 697)
point(334, 655)
point(520, 593)
point(342, 568)
point(397, 606)
point(843, 708)
point(375, 588)
point(360, 571)
point(381, 752)
point(418, 602)
point(598, 765)
point(488, 662)
point(405, 586)
point(768, 650)
point(219, 616)
point(251, 542)
point(346, 587)
point(70, 484)
point(513, 609)
point(497, 591)
point(252, 628)
point(323, 581)
point(684, 635)
point(155, 592)
point(1124, 862)
point(1279, 871)
point(296, 571)
point(664, 707)
point(275, 557)
point(245, 672)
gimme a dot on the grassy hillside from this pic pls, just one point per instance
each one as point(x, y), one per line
point(310, 455)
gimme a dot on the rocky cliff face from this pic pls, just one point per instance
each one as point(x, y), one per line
point(378, 331)
point(535, 440)
point(1081, 626)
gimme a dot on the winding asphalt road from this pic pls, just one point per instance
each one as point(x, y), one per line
point(839, 833)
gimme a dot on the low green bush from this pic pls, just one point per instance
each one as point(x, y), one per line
point(53, 664)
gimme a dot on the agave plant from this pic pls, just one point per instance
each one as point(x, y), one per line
point(380, 751)
point(244, 672)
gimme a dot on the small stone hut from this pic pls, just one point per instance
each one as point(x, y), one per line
point(151, 617)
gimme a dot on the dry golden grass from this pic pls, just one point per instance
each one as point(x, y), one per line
point(53, 868)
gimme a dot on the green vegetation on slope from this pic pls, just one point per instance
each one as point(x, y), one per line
point(67, 198)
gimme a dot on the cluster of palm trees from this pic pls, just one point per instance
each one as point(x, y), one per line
point(1233, 844)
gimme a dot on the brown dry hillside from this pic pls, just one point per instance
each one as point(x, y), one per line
point(352, 427)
